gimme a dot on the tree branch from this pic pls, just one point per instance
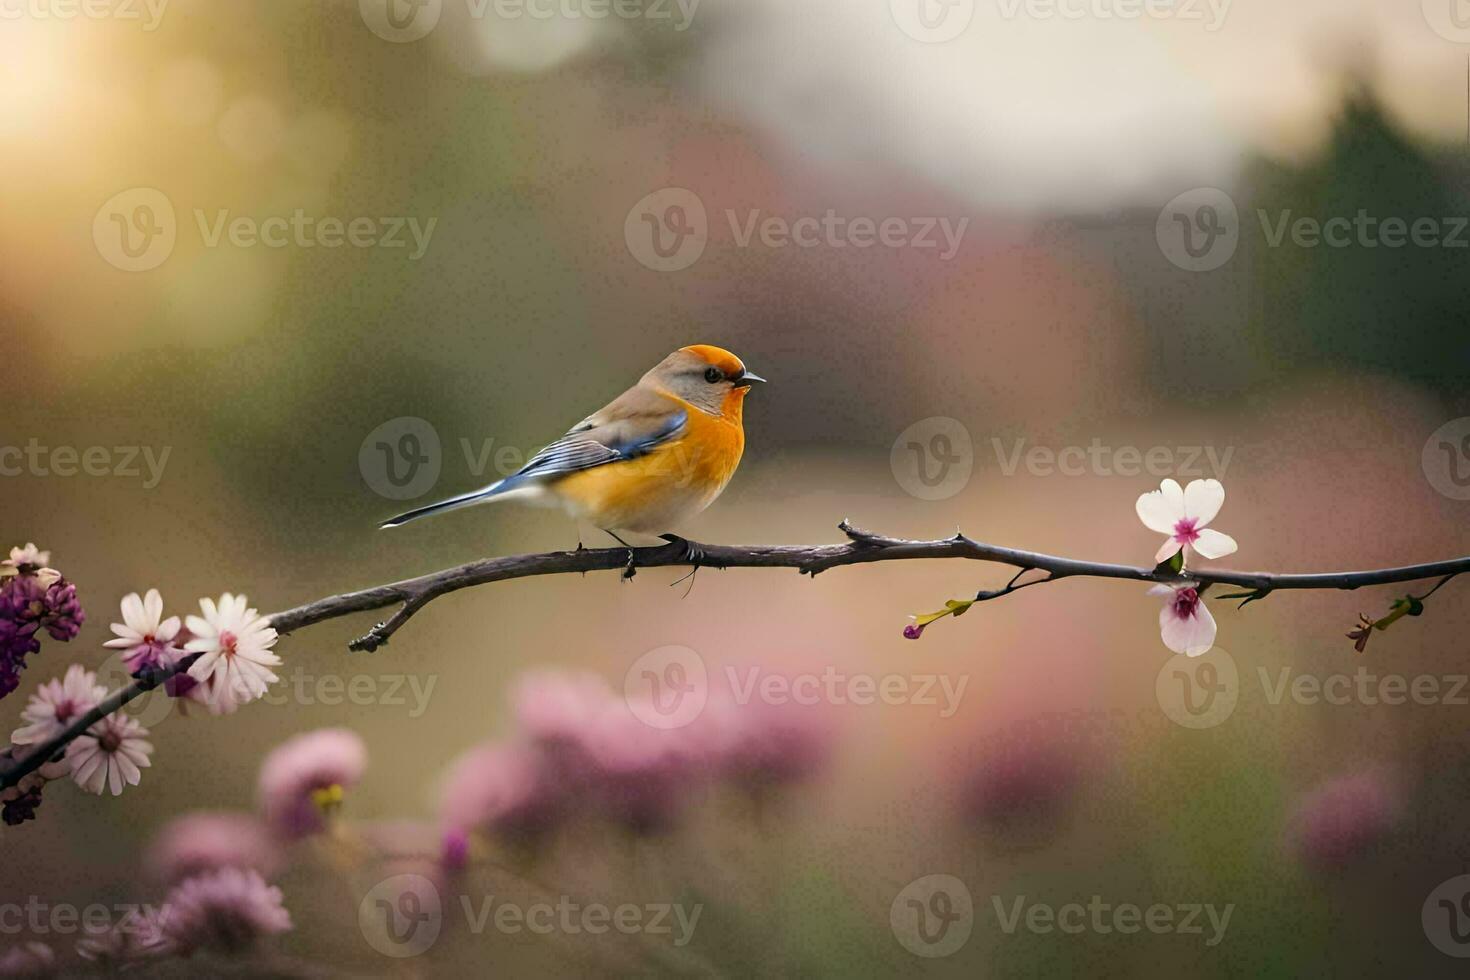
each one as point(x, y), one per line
point(412, 595)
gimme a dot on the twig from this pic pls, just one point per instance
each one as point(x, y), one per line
point(862, 547)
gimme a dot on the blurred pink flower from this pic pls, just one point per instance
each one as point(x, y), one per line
point(1025, 771)
point(555, 707)
point(763, 745)
point(226, 910)
point(305, 776)
point(1342, 819)
point(234, 642)
point(144, 636)
point(642, 775)
point(112, 752)
point(30, 959)
point(501, 788)
point(1185, 624)
point(56, 703)
point(209, 840)
point(1182, 514)
point(134, 937)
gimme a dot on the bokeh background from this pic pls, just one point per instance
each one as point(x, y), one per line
point(1068, 315)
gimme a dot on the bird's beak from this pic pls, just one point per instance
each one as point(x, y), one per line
point(747, 378)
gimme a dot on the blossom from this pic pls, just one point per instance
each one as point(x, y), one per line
point(26, 559)
point(1026, 773)
point(554, 708)
point(235, 645)
point(642, 774)
point(1342, 819)
point(1183, 516)
point(134, 937)
point(502, 788)
point(144, 636)
point(18, 803)
point(762, 745)
point(1184, 623)
point(28, 960)
point(209, 840)
point(226, 910)
point(56, 703)
point(112, 752)
point(305, 777)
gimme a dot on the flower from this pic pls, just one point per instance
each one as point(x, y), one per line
point(226, 910)
point(27, 559)
point(762, 745)
point(235, 645)
point(56, 703)
point(303, 778)
point(1342, 819)
point(642, 774)
point(503, 788)
point(64, 616)
point(17, 805)
point(205, 841)
point(553, 708)
point(28, 960)
point(144, 636)
point(112, 752)
point(134, 937)
point(1183, 514)
point(1184, 623)
point(1024, 774)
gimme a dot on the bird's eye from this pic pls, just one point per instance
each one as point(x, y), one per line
point(712, 375)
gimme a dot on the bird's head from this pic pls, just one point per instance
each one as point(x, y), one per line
point(709, 378)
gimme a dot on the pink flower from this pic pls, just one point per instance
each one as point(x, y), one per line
point(764, 745)
point(30, 558)
point(235, 645)
point(32, 960)
point(1184, 623)
point(113, 751)
point(209, 840)
point(226, 910)
point(641, 774)
point(502, 788)
point(144, 636)
point(555, 708)
point(56, 704)
point(133, 938)
point(305, 777)
point(1182, 515)
point(1025, 772)
point(1342, 819)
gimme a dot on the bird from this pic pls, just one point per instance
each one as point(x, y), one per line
point(647, 461)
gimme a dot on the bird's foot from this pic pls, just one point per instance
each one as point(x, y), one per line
point(693, 553)
point(629, 570)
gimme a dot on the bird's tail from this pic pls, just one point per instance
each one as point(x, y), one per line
point(453, 503)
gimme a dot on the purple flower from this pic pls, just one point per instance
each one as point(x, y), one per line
point(1342, 819)
point(21, 807)
point(226, 910)
point(505, 789)
point(305, 778)
point(207, 841)
point(64, 615)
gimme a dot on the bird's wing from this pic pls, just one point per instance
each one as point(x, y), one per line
point(626, 428)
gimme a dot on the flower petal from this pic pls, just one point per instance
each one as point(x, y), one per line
point(1202, 500)
point(1190, 635)
point(1167, 550)
point(1214, 544)
point(1161, 509)
point(153, 606)
point(132, 611)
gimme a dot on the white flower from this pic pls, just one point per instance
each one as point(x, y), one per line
point(1184, 623)
point(144, 635)
point(113, 751)
point(29, 555)
point(56, 704)
point(1183, 514)
point(235, 643)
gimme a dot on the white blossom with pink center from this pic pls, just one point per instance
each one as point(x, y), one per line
point(234, 642)
point(1184, 623)
point(56, 704)
point(1183, 514)
point(112, 752)
point(144, 636)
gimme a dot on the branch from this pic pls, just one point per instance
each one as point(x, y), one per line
point(412, 595)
